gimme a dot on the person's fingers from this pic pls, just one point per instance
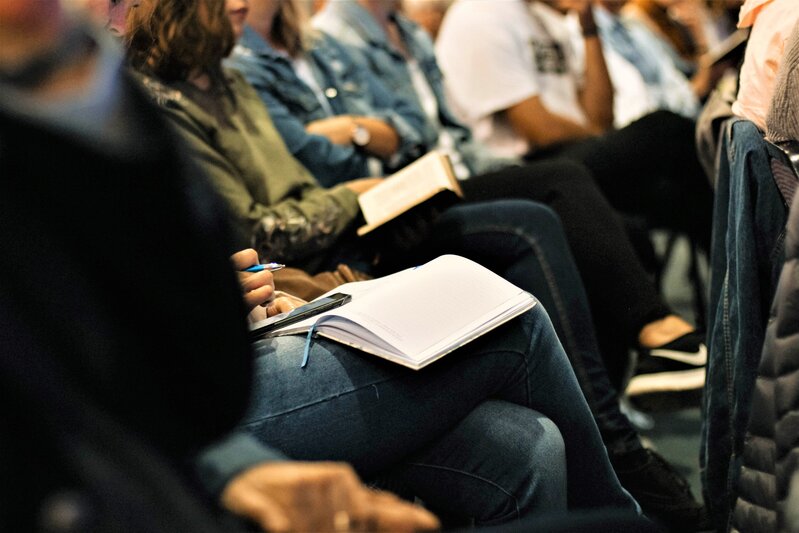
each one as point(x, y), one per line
point(258, 296)
point(251, 281)
point(282, 305)
point(382, 511)
point(253, 504)
point(244, 259)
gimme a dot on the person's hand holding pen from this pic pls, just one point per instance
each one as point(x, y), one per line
point(258, 286)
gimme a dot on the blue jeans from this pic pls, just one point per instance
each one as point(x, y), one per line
point(746, 256)
point(464, 434)
point(524, 242)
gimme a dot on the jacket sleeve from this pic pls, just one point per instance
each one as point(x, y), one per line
point(328, 162)
point(297, 227)
point(223, 460)
point(406, 117)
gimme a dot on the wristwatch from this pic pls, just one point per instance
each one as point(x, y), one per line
point(360, 136)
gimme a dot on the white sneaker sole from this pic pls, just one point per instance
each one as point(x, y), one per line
point(681, 380)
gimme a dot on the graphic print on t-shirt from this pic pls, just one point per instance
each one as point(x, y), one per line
point(549, 57)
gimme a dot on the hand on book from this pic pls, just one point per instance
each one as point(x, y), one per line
point(324, 497)
point(362, 185)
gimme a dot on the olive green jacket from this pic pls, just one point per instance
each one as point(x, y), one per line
point(278, 207)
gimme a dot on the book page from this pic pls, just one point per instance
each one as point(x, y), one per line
point(408, 187)
point(432, 304)
point(419, 314)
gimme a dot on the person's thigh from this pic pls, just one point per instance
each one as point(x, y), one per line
point(350, 406)
point(465, 473)
point(650, 168)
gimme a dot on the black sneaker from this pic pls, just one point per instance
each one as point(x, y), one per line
point(674, 367)
point(664, 495)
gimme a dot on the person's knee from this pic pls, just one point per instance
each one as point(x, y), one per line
point(531, 476)
point(532, 218)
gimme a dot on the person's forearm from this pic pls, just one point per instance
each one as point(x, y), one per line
point(532, 121)
point(596, 98)
point(383, 142)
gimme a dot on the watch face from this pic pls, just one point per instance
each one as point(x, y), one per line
point(361, 136)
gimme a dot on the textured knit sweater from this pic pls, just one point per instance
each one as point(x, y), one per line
point(782, 120)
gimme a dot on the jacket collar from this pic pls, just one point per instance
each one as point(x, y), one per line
point(252, 43)
point(361, 22)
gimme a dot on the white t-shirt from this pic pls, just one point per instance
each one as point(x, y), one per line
point(427, 97)
point(495, 54)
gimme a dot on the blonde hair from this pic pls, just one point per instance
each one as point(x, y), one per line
point(290, 28)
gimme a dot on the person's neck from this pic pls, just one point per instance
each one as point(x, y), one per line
point(383, 16)
point(200, 79)
point(379, 12)
point(263, 27)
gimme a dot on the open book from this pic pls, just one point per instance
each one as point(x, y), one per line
point(428, 176)
point(420, 314)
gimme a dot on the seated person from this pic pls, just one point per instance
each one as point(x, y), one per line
point(336, 404)
point(644, 77)
point(681, 25)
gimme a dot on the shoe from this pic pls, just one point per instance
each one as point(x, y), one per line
point(674, 367)
point(663, 494)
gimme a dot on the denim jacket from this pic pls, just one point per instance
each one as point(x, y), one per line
point(355, 27)
point(349, 89)
point(749, 219)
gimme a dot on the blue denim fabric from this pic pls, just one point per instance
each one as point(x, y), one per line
point(746, 255)
point(349, 89)
point(524, 242)
point(354, 26)
point(433, 431)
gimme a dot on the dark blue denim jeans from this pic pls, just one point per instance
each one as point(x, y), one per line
point(746, 256)
point(464, 434)
point(524, 242)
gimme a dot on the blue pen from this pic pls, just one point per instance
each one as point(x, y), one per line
point(271, 267)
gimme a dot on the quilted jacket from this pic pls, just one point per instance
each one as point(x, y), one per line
point(766, 501)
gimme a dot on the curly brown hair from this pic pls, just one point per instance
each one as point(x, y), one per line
point(175, 39)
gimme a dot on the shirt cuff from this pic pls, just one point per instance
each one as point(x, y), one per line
point(220, 462)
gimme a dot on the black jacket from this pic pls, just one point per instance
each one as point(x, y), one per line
point(123, 343)
point(771, 452)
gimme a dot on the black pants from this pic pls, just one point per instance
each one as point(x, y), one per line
point(621, 293)
point(650, 169)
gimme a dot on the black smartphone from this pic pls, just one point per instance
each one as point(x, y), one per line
point(301, 313)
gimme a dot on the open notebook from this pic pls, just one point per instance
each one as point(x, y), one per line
point(420, 314)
